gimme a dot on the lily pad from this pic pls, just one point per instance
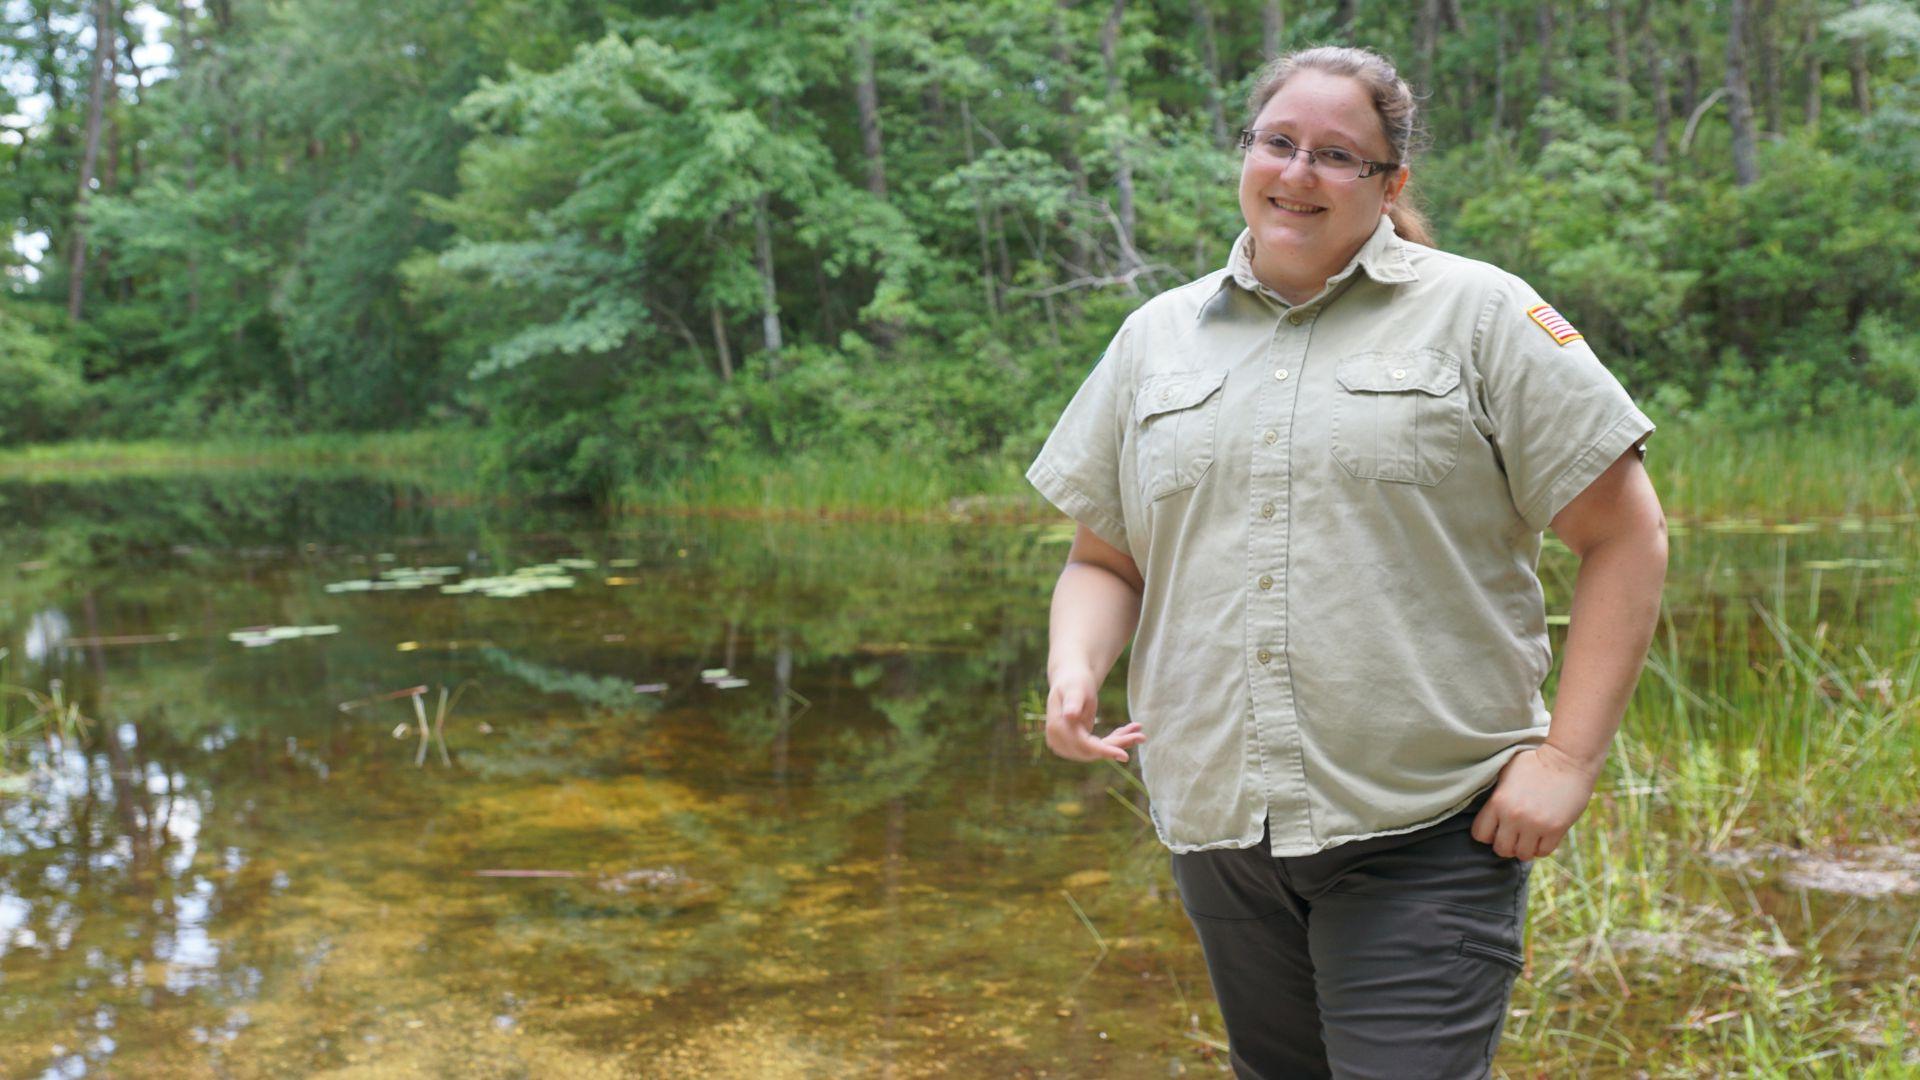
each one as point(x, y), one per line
point(254, 637)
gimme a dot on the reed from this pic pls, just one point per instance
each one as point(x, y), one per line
point(435, 454)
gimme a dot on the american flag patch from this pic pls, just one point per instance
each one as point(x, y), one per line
point(1554, 324)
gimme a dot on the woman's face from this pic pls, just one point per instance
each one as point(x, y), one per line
point(1306, 227)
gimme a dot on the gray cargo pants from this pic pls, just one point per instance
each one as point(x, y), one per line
point(1391, 957)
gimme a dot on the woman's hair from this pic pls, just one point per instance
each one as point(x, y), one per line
point(1392, 102)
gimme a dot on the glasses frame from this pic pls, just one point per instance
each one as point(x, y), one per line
point(1367, 167)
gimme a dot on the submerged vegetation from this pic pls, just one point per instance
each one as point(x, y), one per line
point(745, 760)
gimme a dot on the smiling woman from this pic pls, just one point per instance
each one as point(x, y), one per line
point(1331, 137)
point(1311, 486)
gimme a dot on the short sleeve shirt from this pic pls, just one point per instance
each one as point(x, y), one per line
point(1337, 510)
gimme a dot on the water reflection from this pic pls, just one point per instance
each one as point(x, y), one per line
point(844, 856)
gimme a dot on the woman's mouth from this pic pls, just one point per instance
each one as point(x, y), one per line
point(1294, 207)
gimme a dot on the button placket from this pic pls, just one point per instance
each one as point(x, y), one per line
point(1276, 733)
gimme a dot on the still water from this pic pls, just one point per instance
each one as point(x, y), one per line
point(705, 797)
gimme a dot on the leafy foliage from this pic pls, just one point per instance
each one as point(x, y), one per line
point(631, 241)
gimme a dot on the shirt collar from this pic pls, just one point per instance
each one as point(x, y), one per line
point(1383, 257)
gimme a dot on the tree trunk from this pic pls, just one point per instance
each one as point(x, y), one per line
point(1622, 60)
point(1273, 26)
point(1739, 105)
point(1689, 62)
point(1543, 45)
point(1210, 55)
point(1768, 47)
point(763, 259)
point(110, 170)
point(1069, 132)
point(1426, 39)
point(1810, 48)
point(96, 107)
point(1662, 121)
point(720, 346)
point(867, 94)
point(1344, 13)
point(1499, 71)
point(1857, 64)
point(988, 283)
point(1122, 159)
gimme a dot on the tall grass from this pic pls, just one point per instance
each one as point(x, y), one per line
point(1829, 469)
point(435, 455)
point(1702, 471)
point(861, 482)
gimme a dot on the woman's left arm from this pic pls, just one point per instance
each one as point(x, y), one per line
point(1618, 531)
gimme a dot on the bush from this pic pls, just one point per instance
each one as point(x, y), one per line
point(41, 392)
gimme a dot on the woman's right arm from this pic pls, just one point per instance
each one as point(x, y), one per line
point(1096, 607)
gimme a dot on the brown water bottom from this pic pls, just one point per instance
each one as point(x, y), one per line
point(843, 855)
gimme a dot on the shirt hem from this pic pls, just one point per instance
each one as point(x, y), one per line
point(1336, 841)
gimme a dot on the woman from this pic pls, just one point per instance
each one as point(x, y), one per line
point(1315, 481)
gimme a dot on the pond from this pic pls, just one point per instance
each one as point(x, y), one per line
point(522, 791)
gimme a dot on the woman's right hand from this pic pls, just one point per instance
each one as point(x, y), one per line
point(1071, 703)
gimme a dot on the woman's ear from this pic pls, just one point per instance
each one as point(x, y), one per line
point(1397, 183)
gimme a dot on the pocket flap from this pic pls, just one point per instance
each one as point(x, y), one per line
point(1175, 391)
point(1431, 371)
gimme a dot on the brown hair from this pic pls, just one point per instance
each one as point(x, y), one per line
point(1392, 101)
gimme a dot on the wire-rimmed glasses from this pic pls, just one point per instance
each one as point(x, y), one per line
point(1332, 162)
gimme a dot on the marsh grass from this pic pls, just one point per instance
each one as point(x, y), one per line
point(47, 715)
point(1830, 469)
point(1703, 471)
point(1748, 730)
point(434, 456)
point(861, 482)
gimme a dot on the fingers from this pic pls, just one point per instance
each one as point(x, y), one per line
point(1121, 737)
point(1484, 824)
point(1070, 716)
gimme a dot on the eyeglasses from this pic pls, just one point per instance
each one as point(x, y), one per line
point(1332, 162)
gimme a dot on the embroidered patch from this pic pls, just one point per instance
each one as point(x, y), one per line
point(1554, 324)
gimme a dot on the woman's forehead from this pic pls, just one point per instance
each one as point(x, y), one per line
point(1324, 107)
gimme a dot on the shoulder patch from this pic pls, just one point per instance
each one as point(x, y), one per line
point(1554, 324)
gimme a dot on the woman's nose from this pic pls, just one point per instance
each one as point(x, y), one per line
point(1299, 168)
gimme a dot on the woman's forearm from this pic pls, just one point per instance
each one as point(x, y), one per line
point(1616, 604)
point(1095, 612)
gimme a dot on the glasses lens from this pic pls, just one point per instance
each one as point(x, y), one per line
point(1338, 168)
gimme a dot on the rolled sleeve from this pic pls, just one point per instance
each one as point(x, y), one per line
point(1078, 468)
point(1559, 417)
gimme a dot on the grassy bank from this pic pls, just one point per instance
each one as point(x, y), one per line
point(429, 456)
point(1703, 471)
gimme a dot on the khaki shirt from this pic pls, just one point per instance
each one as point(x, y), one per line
point(1337, 511)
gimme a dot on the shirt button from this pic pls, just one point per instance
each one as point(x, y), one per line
point(1266, 581)
point(1294, 318)
point(1264, 655)
point(1281, 374)
point(1166, 394)
point(1266, 511)
point(1271, 437)
point(1399, 373)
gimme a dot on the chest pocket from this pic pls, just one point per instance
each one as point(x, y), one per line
point(1174, 415)
point(1398, 415)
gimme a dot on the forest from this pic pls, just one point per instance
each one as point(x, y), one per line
point(617, 240)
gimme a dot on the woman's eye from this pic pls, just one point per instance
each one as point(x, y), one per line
point(1280, 142)
point(1337, 156)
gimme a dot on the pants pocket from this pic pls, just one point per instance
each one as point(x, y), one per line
point(1492, 951)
